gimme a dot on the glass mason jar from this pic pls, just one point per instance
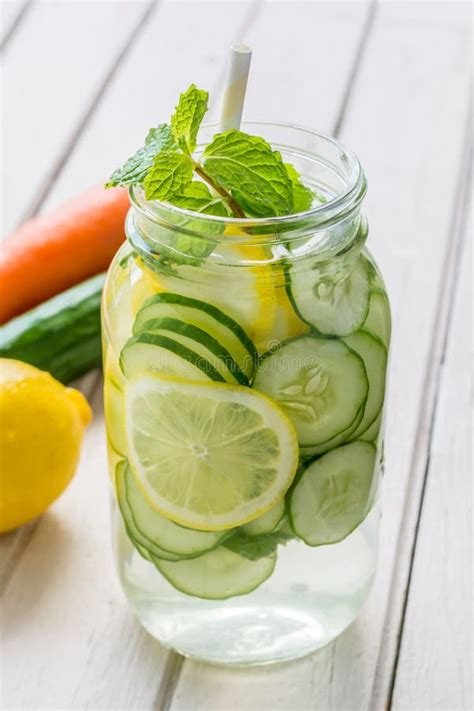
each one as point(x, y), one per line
point(245, 365)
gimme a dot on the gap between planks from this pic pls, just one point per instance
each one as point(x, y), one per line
point(175, 661)
point(23, 538)
point(165, 693)
point(16, 542)
point(59, 163)
point(15, 24)
point(174, 665)
point(358, 58)
point(386, 670)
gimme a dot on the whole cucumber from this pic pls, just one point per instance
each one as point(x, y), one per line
point(62, 335)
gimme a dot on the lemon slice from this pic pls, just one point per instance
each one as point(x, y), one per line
point(208, 456)
point(114, 415)
point(245, 293)
point(126, 291)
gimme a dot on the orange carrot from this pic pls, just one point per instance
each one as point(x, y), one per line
point(52, 252)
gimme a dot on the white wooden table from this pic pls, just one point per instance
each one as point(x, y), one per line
point(82, 82)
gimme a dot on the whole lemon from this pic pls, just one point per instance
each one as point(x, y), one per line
point(42, 423)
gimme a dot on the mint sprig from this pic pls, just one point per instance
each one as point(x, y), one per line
point(302, 196)
point(251, 171)
point(256, 547)
point(240, 174)
point(187, 117)
point(136, 168)
point(197, 197)
point(168, 176)
point(188, 247)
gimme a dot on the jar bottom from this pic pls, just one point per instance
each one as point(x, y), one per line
point(313, 595)
point(249, 636)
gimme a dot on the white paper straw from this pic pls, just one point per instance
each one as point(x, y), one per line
point(236, 84)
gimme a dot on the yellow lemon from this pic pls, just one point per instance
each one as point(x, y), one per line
point(245, 294)
point(287, 323)
point(42, 424)
point(126, 290)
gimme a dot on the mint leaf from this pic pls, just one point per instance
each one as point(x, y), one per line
point(246, 176)
point(160, 138)
point(194, 242)
point(191, 249)
point(302, 196)
point(253, 173)
point(255, 547)
point(197, 197)
point(168, 176)
point(136, 167)
point(187, 117)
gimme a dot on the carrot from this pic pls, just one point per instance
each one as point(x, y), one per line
point(55, 251)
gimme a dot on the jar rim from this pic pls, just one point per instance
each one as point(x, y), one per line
point(350, 197)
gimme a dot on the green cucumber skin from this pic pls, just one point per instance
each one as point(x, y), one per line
point(136, 538)
point(358, 432)
point(306, 466)
point(323, 447)
point(143, 534)
point(310, 453)
point(211, 310)
point(381, 330)
point(176, 348)
point(172, 325)
point(314, 328)
point(158, 564)
point(62, 335)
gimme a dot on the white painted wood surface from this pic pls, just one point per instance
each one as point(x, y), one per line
point(10, 16)
point(435, 664)
point(53, 69)
point(394, 80)
point(410, 235)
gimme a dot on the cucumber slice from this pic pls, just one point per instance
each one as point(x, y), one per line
point(334, 307)
point(217, 575)
point(266, 523)
point(150, 352)
point(372, 433)
point(143, 552)
point(142, 544)
point(205, 316)
point(113, 458)
point(341, 438)
point(378, 321)
point(136, 537)
point(321, 384)
point(376, 280)
point(162, 532)
point(200, 342)
point(333, 496)
point(373, 353)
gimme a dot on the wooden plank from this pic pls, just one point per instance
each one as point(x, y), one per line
point(269, 688)
point(68, 640)
point(418, 254)
point(435, 663)
point(145, 91)
point(112, 662)
point(297, 85)
point(32, 87)
point(13, 544)
point(305, 54)
point(11, 15)
point(49, 79)
point(423, 66)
